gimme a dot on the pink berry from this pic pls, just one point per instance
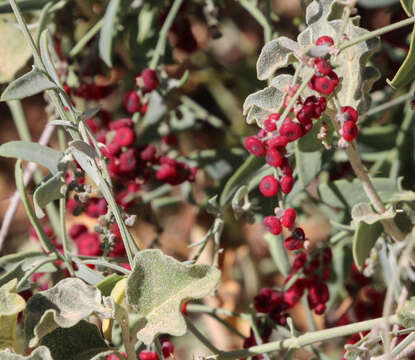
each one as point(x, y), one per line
point(269, 186)
point(288, 219)
point(291, 130)
point(323, 67)
point(124, 136)
point(149, 153)
point(271, 123)
point(349, 131)
point(287, 183)
point(150, 80)
point(320, 309)
point(349, 113)
point(273, 157)
point(273, 225)
point(254, 146)
point(325, 40)
point(77, 230)
point(132, 102)
point(299, 261)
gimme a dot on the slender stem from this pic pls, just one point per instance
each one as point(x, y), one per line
point(255, 330)
point(217, 311)
point(108, 265)
point(159, 348)
point(378, 32)
point(64, 233)
point(128, 344)
point(85, 39)
point(202, 338)
point(403, 344)
point(310, 317)
point(227, 325)
point(34, 268)
point(346, 16)
point(307, 339)
point(387, 105)
point(259, 17)
point(161, 43)
point(44, 14)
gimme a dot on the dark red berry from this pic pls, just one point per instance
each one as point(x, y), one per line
point(349, 113)
point(287, 183)
point(273, 225)
point(294, 294)
point(288, 219)
point(305, 114)
point(271, 123)
point(320, 309)
point(132, 102)
point(89, 244)
point(318, 293)
point(273, 157)
point(278, 142)
point(184, 308)
point(168, 349)
point(286, 167)
point(150, 80)
point(77, 230)
point(291, 130)
point(349, 131)
point(149, 153)
point(254, 146)
point(299, 261)
point(296, 240)
point(262, 301)
point(324, 85)
point(323, 67)
point(327, 256)
point(125, 122)
point(128, 161)
point(269, 186)
point(124, 136)
point(325, 40)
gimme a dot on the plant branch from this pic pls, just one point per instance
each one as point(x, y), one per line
point(378, 32)
point(161, 43)
point(202, 338)
point(259, 17)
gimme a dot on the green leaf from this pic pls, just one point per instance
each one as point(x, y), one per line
point(308, 165)
point(80, 342)
point(41, 353)
point(238, 201)
point(31, 151)
point(29, 84)
point(64, 305)
point(108, 284)
point(14, 54)
point(157, 287)
point(241, 177)
point(108, 31)
point(364, 239)
point(10, 306)
point(364, 212)
point(275, 55)
point(85, 155)
point(406, 72)
point(408, 6)
point(343, 193)
point(48, 191)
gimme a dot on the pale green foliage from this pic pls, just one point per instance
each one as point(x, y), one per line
point(41, 353)
point(64, 305)
point(159, 285)
point(10, 306)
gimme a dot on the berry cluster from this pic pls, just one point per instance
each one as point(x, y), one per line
point(167, 348)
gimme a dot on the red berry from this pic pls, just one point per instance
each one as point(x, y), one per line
point(262, 301)
point(148, 355)
point(296, 240)
point(349, 113)
point(325, 40)
point(294, 294)
point(254, 146)
point(184, 308)
point(132, 102)
point(273, 225)
point(323, 66)
point(278, 142)
point(287, 183)
point(286, 167)
point(349, 131)
point(168, 349)
point(327, 256)
point(124, 136)
point(291, 130)
point(128, 161)
point(170, 140)
point(299, 261)
point(320, 309)
point(150, 80)
point(318, 293)
point(271, 123)
point(269, 186)
point(273, 157)
point(89, 244)
point(77, 230)
point(125, 122)
point(288, 219)
point(149, 153)
point(324, 85)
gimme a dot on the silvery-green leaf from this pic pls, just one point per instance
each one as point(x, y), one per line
point(108, 31)
point(89, 113)
point(158, 286)
point(40, 353)
point(85, 155)
point(364, 212)
point(48, 191)
point(62, 306)
point(59, 122)
point(364, 239)
point(10, 306)
point(275, 55)
point(32, 83)
point(31, 151)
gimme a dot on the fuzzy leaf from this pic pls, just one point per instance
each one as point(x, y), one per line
point(48, 191)
point(41, 353)
point(85, 155)
point(31, 151)
point(343, 193)
point(157, 287)
point(14, 54)
point(364, 239)
point(364, 212)
point(275, 55)
point(108, 31)
point(406, 72)
point(308, 165)
point(64, 305)
point(32, 83)
point(10, 306)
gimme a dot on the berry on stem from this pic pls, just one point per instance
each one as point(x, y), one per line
point(349, 113)
point(254, 146)
point(287, 183)
point(269, 186)
point(273, 225)
point(325, 40)
point(349, 131)
point(273, 157)
point(288, 219)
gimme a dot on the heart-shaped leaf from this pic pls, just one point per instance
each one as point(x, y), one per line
point(158, 286)
point(364, 239)
point(10, 306)
point(62, 306)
